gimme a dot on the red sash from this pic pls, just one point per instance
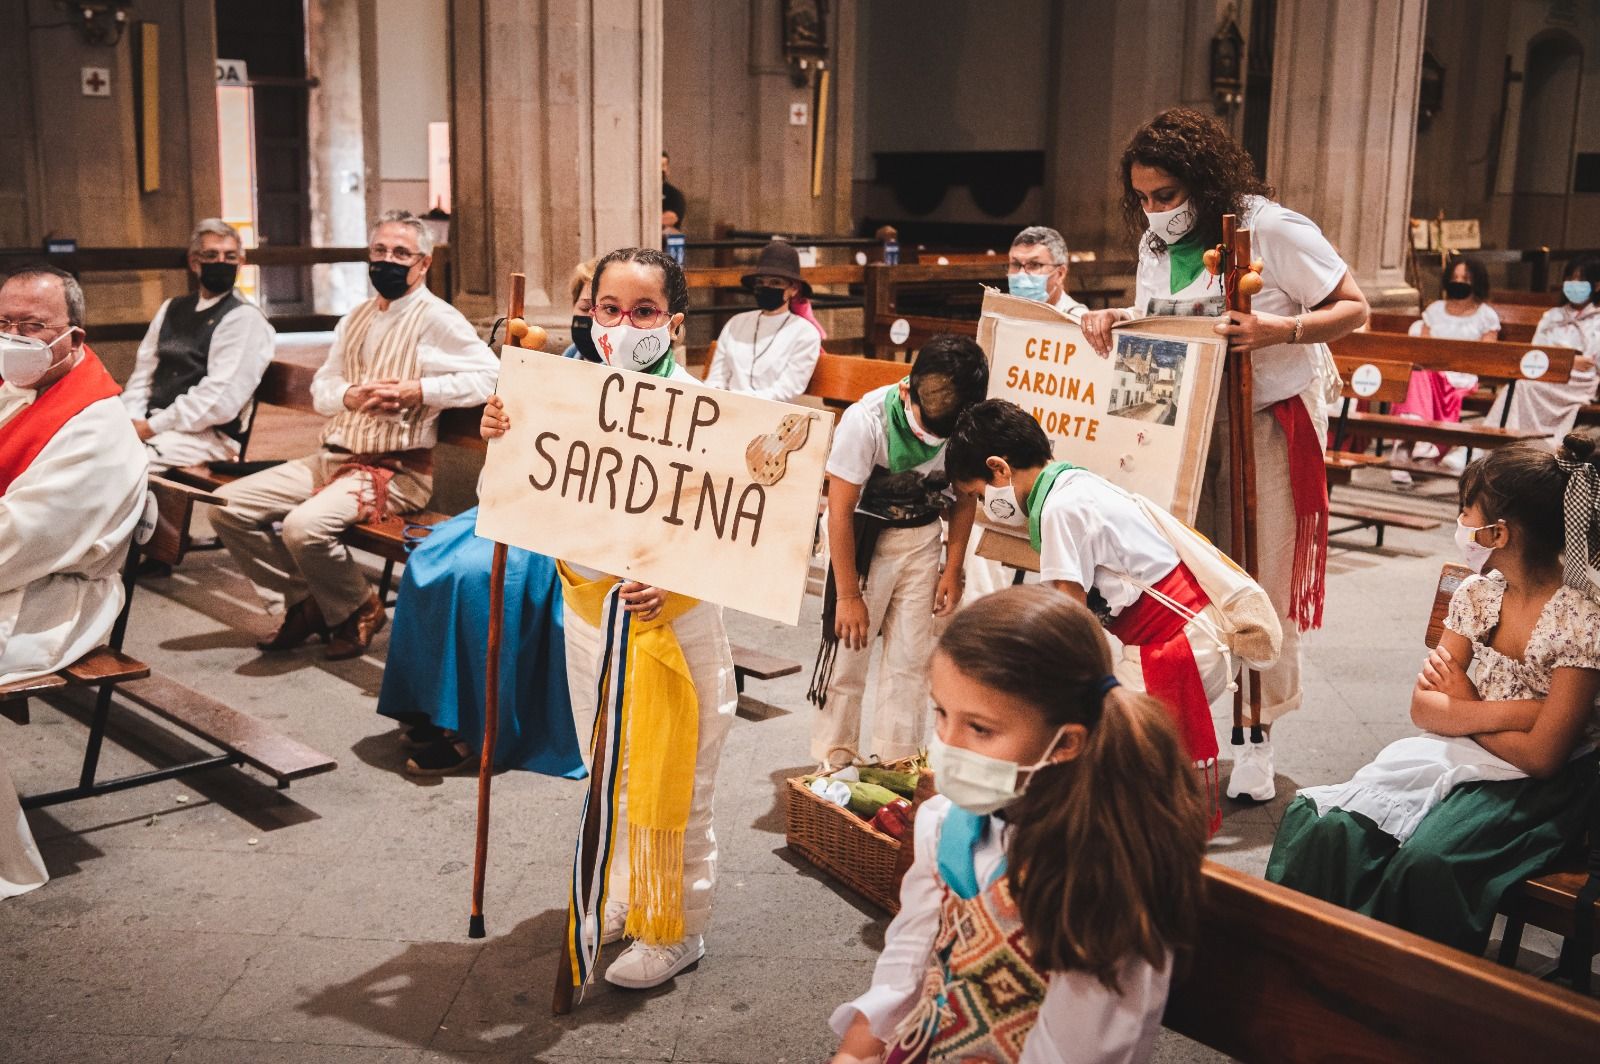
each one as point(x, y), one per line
point(1308, 484)
point(1170, 672)
point(24, 436)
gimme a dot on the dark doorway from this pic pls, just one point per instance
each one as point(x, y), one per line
point(1258, 81)
point(270, 36)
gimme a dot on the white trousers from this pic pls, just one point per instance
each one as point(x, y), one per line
point(705, 648)
point(899, 597)
point(983, 576)
point(173, 450)
point(1275, 528)
point(21, 867)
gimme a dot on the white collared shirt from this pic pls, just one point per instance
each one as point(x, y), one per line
point(241, 349)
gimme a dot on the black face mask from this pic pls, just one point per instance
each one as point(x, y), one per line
point(218, 277)
point(582, 340)
point(1457, 289)
point(768, 298)
point(389, 278)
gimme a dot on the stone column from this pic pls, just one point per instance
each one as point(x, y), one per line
point(1343, 129)
point(556, 143)
point(342, 125)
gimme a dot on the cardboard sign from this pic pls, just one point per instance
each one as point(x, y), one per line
point(699, 491)
point(1141, 417)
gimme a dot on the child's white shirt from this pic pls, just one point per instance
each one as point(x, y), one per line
point(1091, 533)
point(1079, 1022)
point(861, 441)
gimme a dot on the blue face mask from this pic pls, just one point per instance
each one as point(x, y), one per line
point(1026, 286)
point(1577, 292)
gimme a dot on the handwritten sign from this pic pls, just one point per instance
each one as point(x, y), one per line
point(1141, 418)
point(703, 492)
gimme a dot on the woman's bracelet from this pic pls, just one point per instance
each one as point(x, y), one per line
point(1299, 326)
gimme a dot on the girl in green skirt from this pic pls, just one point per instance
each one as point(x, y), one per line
point(1432, 833)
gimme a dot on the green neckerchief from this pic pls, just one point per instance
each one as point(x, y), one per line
point(663, 365)
point(906, 450)
point(1186, 259)
point(1038, 494)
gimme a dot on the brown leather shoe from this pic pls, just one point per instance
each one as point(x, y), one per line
point(351, 636)
point(301, 621)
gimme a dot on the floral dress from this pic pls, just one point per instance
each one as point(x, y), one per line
point(1432, 833)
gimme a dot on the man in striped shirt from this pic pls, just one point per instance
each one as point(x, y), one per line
point(397, 360)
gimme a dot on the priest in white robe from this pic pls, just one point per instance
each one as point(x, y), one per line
point(72, 487)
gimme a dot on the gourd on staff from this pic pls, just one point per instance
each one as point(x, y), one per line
point(1181, 173)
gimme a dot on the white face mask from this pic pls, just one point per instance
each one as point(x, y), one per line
point(627, 347)
point(978, 783)
point(1174, 224)
point(1476, 555)
point(24, 361)
point(1002, 506)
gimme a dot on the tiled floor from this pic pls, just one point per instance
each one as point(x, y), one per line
point(220, 920)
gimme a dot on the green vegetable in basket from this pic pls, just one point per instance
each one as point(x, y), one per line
point(902, 783)
point(867, 798)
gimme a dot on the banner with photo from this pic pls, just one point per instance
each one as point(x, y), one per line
point(1141, 416)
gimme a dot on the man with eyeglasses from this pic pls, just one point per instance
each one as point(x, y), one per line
point(1038, 269)
point(72, 487)
point(201, 360)
point(396, 361)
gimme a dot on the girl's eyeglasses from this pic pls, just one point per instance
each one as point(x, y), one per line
point(642, 317)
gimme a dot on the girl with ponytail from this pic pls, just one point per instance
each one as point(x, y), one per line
point(1432, 833)
point(1058, 870)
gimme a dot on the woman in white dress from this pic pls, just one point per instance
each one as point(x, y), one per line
point(1553, 408)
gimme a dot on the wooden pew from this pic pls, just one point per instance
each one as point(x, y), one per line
point(1392, 380)
point(1562, 900)
point(1284, 978)
point(243, 739)
point(1490, 361)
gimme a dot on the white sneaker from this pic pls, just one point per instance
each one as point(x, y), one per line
point(616, 920)
point(641, 967)
point(1252, 775)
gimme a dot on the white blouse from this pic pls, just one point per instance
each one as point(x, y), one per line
point(1080, 1021)
point(768, 356)
point(1300, 270)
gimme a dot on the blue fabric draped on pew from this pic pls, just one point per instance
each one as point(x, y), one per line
point(438, 648)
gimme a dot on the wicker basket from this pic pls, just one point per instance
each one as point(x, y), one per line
point(843, 845)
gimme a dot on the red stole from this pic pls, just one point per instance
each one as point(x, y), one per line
point(1308, 485)
point(24, 436)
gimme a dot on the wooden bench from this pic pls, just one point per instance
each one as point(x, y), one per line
point(1518, 321)
point(242, 739)
point(1496, 362)
point(1281, 977)
point(1561, 901)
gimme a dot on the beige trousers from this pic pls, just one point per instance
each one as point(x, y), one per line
point(1275, 525)
point(899, 598)
point(705, 648)
point(307, 559)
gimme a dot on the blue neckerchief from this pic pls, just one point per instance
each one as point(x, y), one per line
point(958, 842)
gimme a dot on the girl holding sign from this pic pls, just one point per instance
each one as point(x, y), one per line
point(668, 674)
point(1180, 174)
point(1175, 603)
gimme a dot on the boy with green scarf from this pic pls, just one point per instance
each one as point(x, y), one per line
point(887, 490)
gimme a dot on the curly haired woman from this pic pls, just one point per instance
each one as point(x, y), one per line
point(1180, 174)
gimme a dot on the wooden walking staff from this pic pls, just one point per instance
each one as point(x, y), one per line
point(1241, 279)
point(518, 334)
